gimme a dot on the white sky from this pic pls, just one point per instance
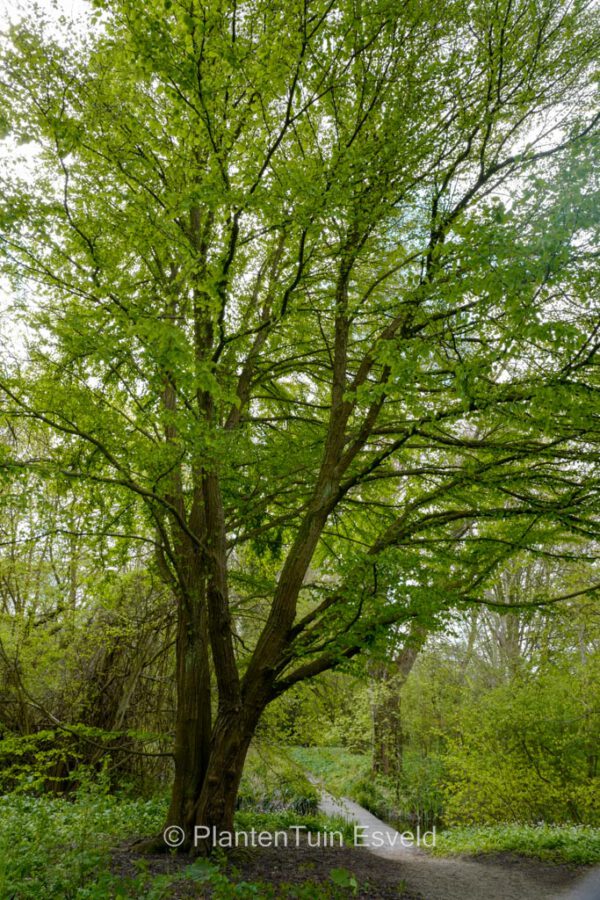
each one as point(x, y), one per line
point(10, 10)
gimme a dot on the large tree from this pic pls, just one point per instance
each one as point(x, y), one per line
point(310, 283)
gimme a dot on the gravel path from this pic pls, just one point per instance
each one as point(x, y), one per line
point(505, 878)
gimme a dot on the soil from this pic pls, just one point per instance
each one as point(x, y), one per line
point(378, 879)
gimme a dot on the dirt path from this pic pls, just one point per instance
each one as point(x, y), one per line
point(507, 878)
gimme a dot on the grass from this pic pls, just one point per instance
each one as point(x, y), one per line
point(337, 768)
point(572, 844)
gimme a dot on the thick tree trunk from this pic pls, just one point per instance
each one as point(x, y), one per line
point(193, 716)
point(208, 761)
point(204, 797)
point(215, 809)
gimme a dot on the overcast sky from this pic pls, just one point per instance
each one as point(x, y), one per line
point(12, 9)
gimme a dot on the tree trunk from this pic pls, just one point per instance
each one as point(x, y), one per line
point(388, 735)
point(215, 809)
point(193, 715)
point(208, 761)
point(387, 744)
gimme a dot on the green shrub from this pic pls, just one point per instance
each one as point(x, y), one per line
point(525, 752)
point(56, 761)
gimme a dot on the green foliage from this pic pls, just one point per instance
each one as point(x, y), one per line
point(332, 710)
point(225, 886)
point(344, 879)
point(59, 849)
point(58, 760)
point(575, 844)
point(257, 230)
point(29, 762)
point(499, 720)
point(417, 789)
point(272, 782)
point(527, 750)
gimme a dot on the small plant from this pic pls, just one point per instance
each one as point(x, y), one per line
point(344, 879)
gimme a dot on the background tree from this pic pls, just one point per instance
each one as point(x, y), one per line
point(313, 280)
